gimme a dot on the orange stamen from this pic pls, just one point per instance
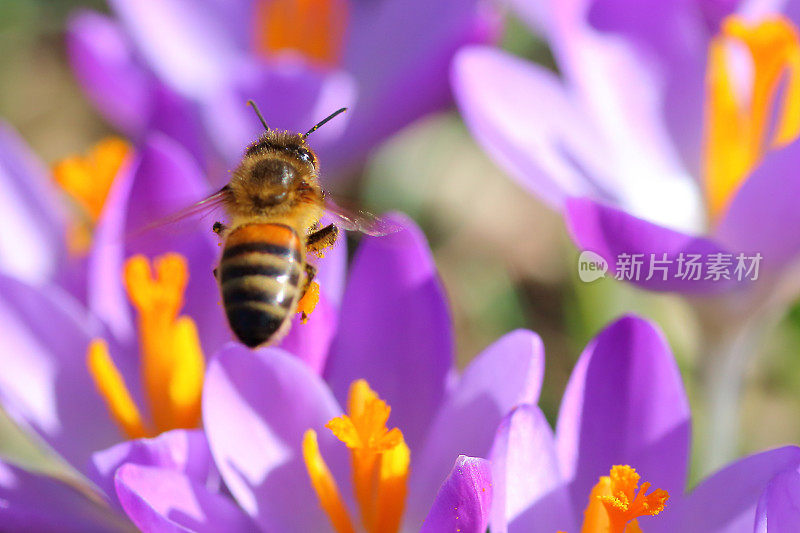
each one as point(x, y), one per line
point(314, 28)
point(172, 361)
point(380, 460)
point(736, 136)
point(114, 391)
point(324, 485)
point(615, 504)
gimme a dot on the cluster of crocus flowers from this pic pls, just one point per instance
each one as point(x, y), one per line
point(298, 59)
point(297, 452)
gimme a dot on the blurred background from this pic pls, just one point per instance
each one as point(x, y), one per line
point(505, 259)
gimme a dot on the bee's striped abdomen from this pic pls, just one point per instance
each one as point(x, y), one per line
point(259, 274)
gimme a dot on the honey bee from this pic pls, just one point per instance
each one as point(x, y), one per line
point(274, 203)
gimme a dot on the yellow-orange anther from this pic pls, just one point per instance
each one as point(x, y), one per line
point(309, 301)
point(615, 503)
point(172, 362)
point(737, 135)
point(314, 28)
point(324, 485)
point(87, 181)
point(114, 391)
point(380, 460)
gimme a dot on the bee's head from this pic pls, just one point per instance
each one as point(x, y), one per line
point(278, 170)
point(275, 174)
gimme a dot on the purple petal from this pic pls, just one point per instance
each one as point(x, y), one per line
point(529, 491)
point(183, 451)
point(164, 180)
point(44, 382)
point(400, 54)
point(311, 341)
point(672, 40)
point(621, 88)
point(779, 506)
point(181, 119)
point(290, 94)
point(188, 46)
point(610, 232)
point(464, 499)
point(395, 330)
point(726, 501)
point(159, 499)
point(506, 374)
point(624, 404)
point(256, 408)
point(764, 212)
point(104, 63)
point(522, 115)
point(32, 242)
point(33, 502)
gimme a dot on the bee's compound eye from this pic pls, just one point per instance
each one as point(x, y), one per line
point(306, 156)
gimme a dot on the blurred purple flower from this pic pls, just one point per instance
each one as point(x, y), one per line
point(657, 137)
point(187, 68)
point(625, 405)
point(394, 332)
point(33, 245)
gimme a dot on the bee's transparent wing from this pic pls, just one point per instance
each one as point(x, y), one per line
point(359, 220)
point(198, 209)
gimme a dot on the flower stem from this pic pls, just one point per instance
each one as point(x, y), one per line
point(730, 344)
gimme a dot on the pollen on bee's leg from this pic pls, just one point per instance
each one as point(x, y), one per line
point(112, 388)
point(309, 301)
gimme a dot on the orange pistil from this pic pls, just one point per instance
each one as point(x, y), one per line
point(380, 461)
point(737, 136)
point(87, 181)
point(314, 28)
point(615, 503)
point(172, 361)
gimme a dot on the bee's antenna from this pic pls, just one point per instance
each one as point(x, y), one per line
point(324, 121)
point(255, 108)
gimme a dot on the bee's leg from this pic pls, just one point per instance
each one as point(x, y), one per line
point(310, 297)
point(321, 239)
point(216, 273)
point(218, 228)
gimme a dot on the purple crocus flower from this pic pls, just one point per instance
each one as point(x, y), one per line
point(669, 144)
point(656, 139)
point(186, 68)
point(625, 405)
point(394, 334)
